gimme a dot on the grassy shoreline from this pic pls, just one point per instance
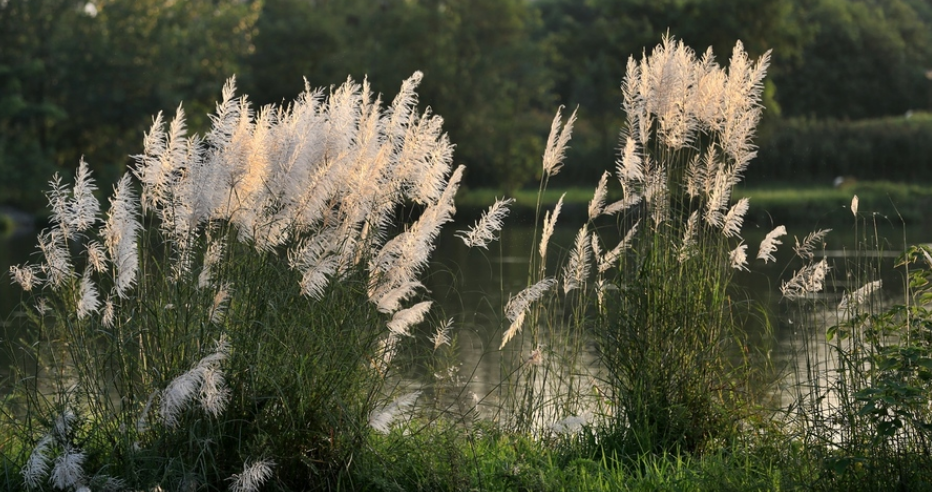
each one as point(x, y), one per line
point(780, 203)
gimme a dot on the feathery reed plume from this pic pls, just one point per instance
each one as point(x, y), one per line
point(629, 168)
point(571, 424)
point(82, 213)
point(513, 329)
point(96, 256)
point(550, 221)
point(813, 240)
point(852, 300)
point(67, 471)
point(769, 245)
point(483, 232)
point(87, 296)
point(536, 357)
point(214, 395)
point(597, 204)
point(142, 423)
point(184, 388)
point(611, 257)
point(37, 467)
point(390, 301)
point(119, 234)
point(520, 302)
point(556, 143)
point(854, 205)
point(577, 266)
point(212, 257)
point(735, 218)
point(739, 257)
point(253, 476)
point(381, 420)
point(805, 281)
point(688, 247)
point(406, 318)
point(442, 335)
point(108, 314)
point(218, 306)
point(26, 276)
point(57, 267)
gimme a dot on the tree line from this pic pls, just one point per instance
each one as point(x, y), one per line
point(81, 78)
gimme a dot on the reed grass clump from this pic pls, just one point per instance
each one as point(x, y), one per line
point(230, 320)
point(671, 325)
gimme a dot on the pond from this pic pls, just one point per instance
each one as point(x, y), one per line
point(472, 285)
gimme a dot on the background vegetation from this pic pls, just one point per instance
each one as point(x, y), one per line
point(81, 78)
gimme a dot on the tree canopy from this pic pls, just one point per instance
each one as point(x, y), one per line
point(83, 78)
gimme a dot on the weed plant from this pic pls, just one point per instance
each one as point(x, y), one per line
point(861, 410)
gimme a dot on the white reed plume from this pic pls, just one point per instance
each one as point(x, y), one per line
point(851, 300)
point(62, 427)
point(253, 476)
point(536, 357)
point(629, 167)
point(387, 349)
point(807, 280)
point(630, 200)
point(513, 329)
point(109, 313)
point(212, 257)
point(84, 207)
point(577, 266)
point(184, 388)
point(26, 276)
point(813, 240)
point(442, 335)
point(37, 467)
point(381, 419)
point(67, 471)
point(854, 205)
point(556, 143)
point(390, 301)
point(219, 304)
point(720, 192)
point(491, 221)
point(550, 221)
point(572, 424)
point(739, 257)
point(119, 234)
point(769, 245)
point(76, 210)
point(214, 395)
point(734, 219)
point(688, 247)
point(58, 268)
point(597, 204)
point(520, 302)
point(178, 394)
point(142, 423)
point(88, 301)
point(406, 318)
point(96, 256)
point(657, 195)
point(611, 257)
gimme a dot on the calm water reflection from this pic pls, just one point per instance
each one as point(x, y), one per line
point(472, 285)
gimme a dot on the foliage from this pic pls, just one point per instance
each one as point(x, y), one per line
point(891, 148)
